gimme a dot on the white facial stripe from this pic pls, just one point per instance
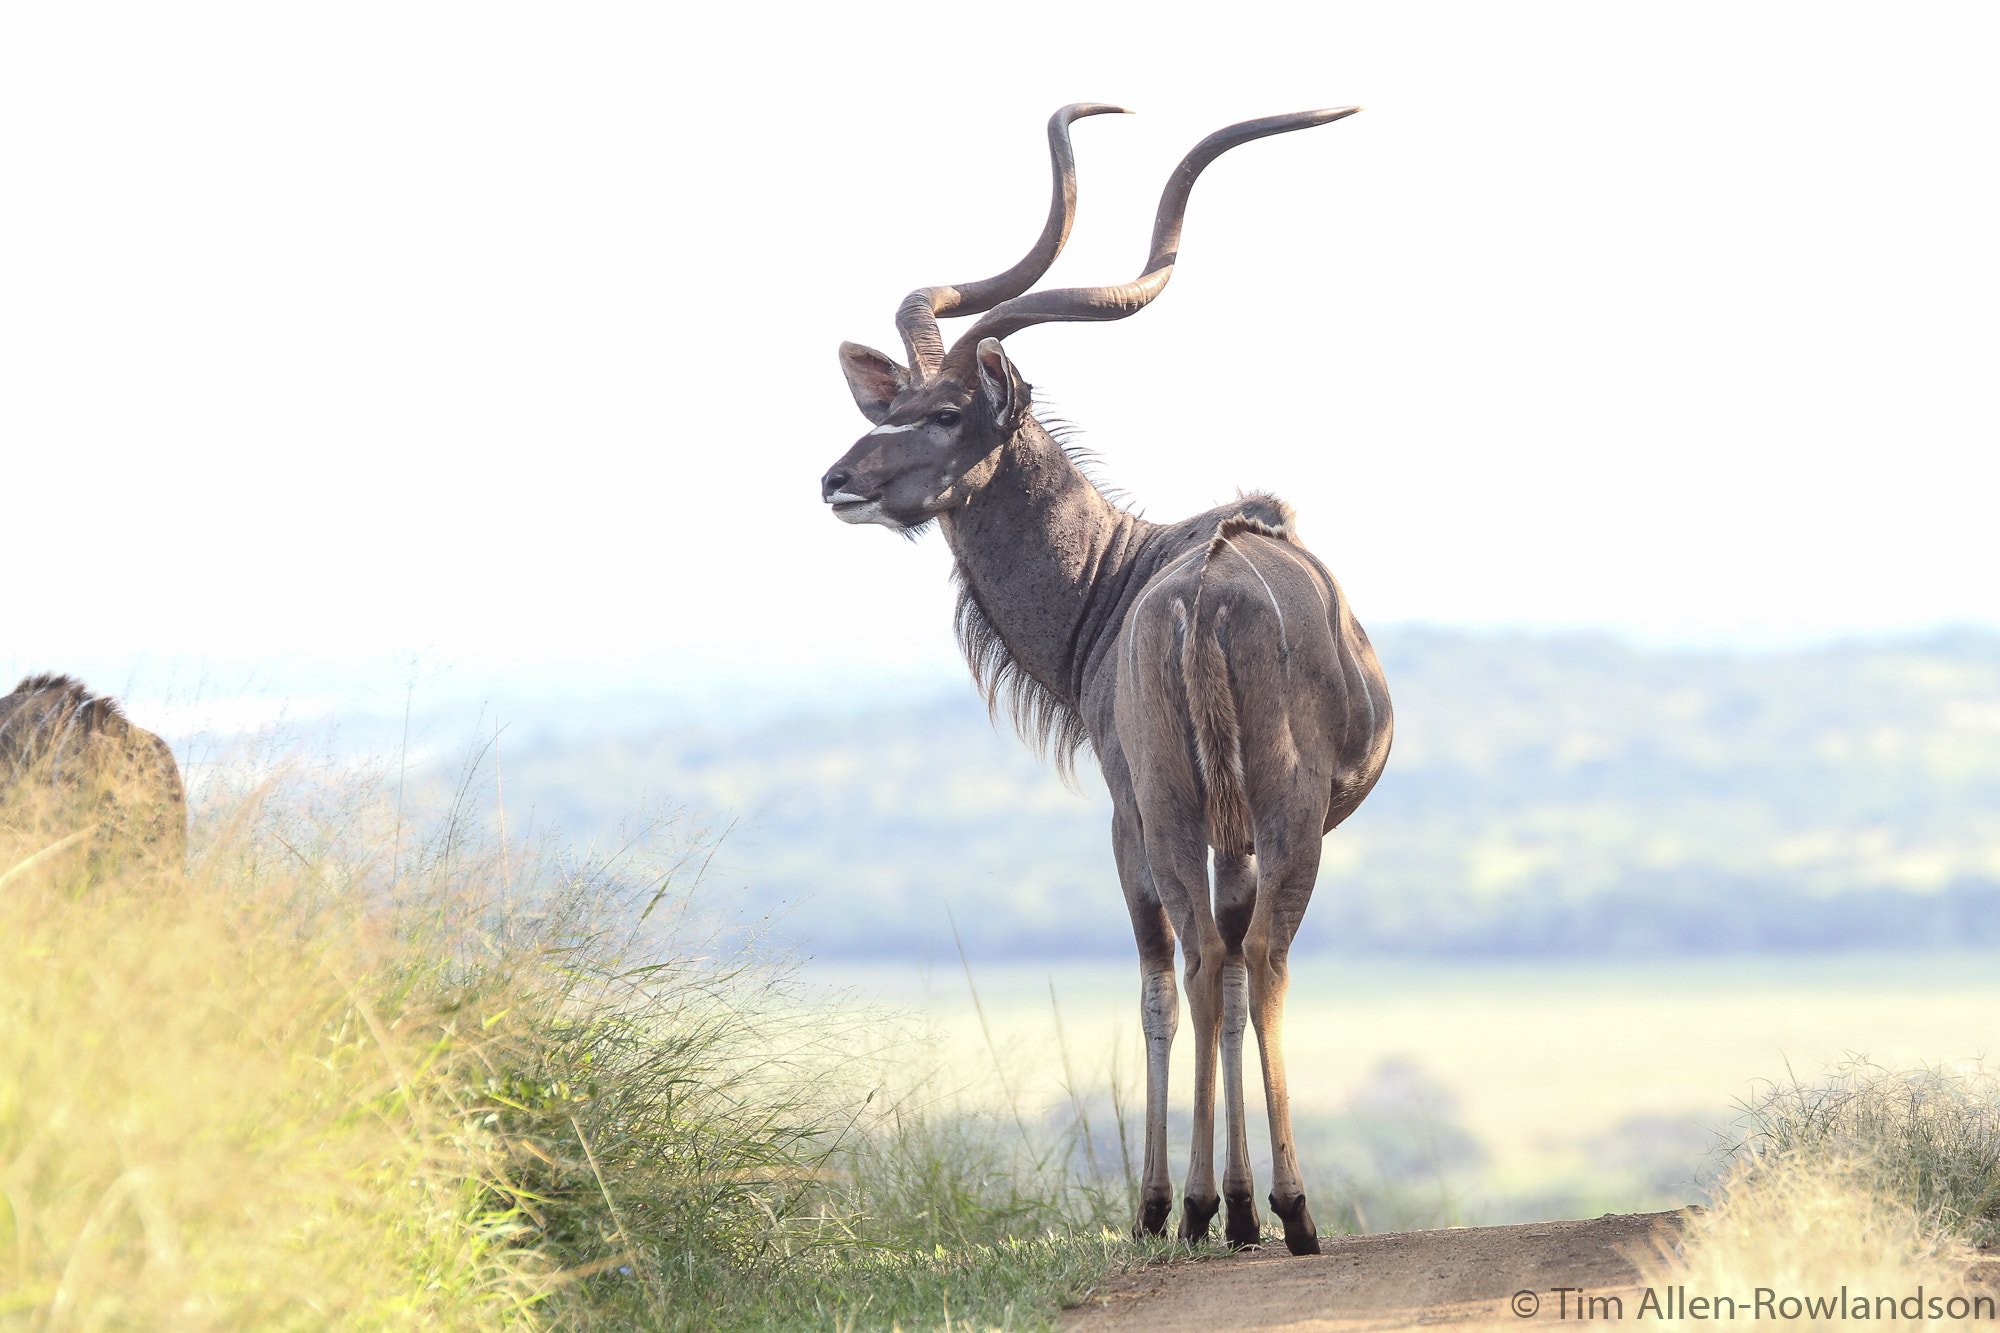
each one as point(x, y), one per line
point(890, 430)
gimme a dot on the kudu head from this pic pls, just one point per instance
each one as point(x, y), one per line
point(941, 419)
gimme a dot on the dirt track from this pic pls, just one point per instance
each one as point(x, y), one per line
point(1429, 1279)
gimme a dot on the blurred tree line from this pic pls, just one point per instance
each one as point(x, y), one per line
point(1546, 794)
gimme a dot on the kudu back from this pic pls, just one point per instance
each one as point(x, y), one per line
point(1212, 665)
point(75, 773)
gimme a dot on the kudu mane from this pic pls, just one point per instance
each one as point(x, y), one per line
point(1047, 724)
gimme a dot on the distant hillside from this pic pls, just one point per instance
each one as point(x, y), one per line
point(1545, 794)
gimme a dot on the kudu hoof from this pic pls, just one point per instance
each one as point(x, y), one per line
point(1301, 1237)
point(1153, 1217)
point(1195, 1217)
point(1243, 1228)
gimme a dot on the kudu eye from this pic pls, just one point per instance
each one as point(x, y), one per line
point(948, 417)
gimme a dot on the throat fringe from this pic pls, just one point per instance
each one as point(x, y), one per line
point(1049, 726)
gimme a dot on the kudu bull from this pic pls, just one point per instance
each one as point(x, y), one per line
point(1212, 665)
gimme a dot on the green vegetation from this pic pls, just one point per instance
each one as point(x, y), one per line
point(237, 1098)
point(1927, 1138)
point(357, 1069)
point(1547, 794)
point(369, 1063)
point(1871, 1183)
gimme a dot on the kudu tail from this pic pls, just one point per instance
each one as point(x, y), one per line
point(1218, 734)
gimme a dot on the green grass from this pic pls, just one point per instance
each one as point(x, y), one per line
point(369, 1063)
point(235, 1098)
point(1928, 1138)
point(366, 1065)
point(1869, 1183)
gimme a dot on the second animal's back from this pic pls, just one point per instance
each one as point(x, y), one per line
point(71, 761)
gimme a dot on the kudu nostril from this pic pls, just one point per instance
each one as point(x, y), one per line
point(835, 480)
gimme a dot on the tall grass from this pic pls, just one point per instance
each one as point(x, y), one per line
point(1928, 1137)
point(366, 1064)
point(234, 1099)
point(1870, 1181)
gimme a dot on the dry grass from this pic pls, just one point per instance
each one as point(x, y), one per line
point(229, 1099)
point(1866, 1186)
point(1929, 1137)
point(362, 1066)
point(1812, 1231)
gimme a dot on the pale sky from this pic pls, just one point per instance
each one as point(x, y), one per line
point(507, 332)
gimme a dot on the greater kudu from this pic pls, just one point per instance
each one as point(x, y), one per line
point(74, 770)
point(1212, 664)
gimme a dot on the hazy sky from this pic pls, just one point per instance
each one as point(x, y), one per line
point(507, 332)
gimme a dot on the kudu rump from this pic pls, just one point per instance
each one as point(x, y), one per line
point(1212, 665)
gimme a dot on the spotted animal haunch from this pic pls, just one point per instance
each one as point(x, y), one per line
point(1212, 665)
point(75, 772)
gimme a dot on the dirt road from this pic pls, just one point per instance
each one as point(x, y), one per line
point(1432, 1279)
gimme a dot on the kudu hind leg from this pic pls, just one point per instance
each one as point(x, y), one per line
point(1284, 886)
point(1235, 903)
point(1177, 857)
point(1159, 1016)
point(1204, 981)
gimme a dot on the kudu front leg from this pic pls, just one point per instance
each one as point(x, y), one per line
point(1177, 865)
point(1159, 1017)
point(1159, 1008)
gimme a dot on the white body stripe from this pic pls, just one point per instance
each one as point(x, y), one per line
point(1152, 586)
point(1283, 642)
point(1311, 578)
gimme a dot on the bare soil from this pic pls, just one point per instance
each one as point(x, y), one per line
point(1462, 1276)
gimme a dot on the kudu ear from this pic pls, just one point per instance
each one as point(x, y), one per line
point(873, 378)
point(1001, 386)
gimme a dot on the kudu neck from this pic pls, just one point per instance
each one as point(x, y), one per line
point(1042, 553)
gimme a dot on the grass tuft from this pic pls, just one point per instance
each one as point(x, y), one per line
point(1871, 1182)
point(229, 1100)
point(1928, 1137)
point(364, 1064)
